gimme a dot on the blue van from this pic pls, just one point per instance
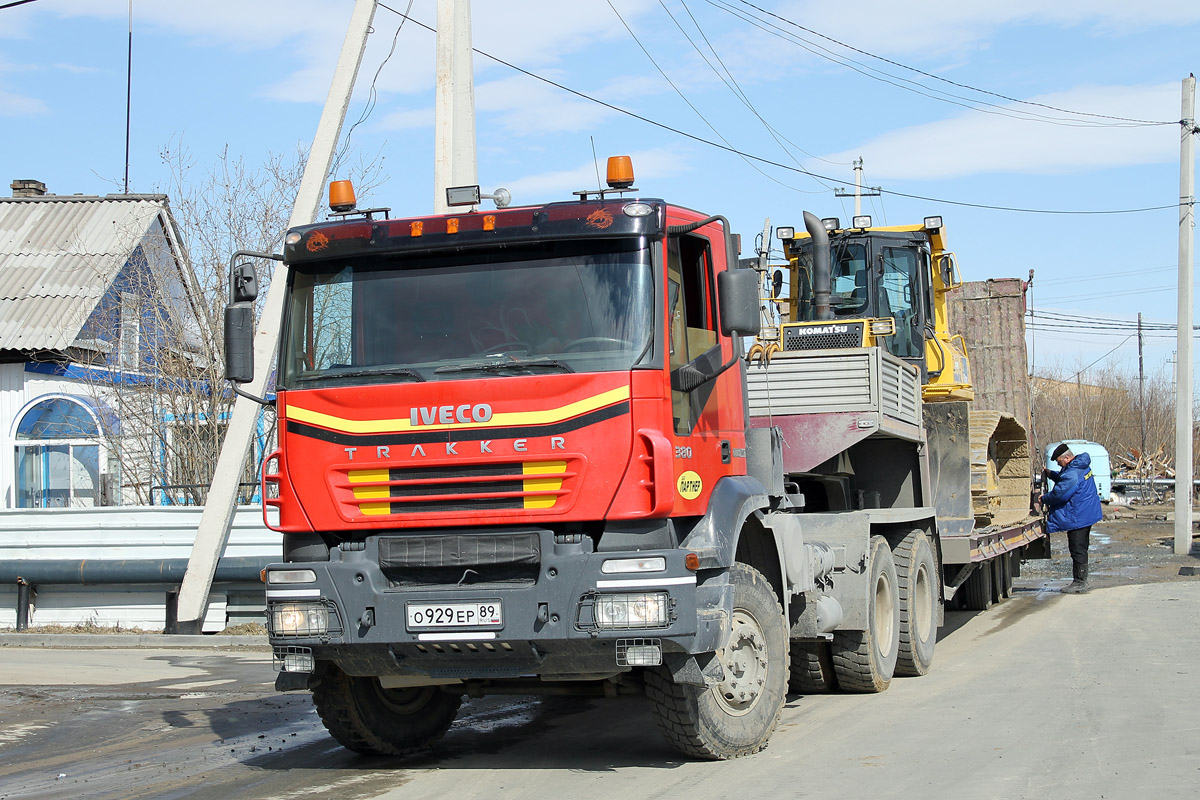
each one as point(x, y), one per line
point(1101, 465)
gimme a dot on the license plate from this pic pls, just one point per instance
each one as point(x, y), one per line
point(482, 614)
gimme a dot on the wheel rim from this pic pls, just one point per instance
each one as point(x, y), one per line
point(921, 599)
point(885, 612)
point(745, 662)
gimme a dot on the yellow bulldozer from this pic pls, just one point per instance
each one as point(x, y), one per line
point(865, 286)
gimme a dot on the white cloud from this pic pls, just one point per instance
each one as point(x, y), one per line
point(16, 105)
point(974, 143)
point(408, 119)
point(647, 165)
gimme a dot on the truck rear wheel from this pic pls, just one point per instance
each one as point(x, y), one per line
point(812, 668)
point(367, 718)
point(735, 717)
point(918, 603)
point(864, 661)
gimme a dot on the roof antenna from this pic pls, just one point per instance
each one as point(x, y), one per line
point(128, 94)
point(596, 161)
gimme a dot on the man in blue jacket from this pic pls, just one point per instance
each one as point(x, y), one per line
point(1074, 505)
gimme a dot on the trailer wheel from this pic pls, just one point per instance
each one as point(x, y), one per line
point(864, 661)
point(1004, 576)
point(977, 591)
point(918, 603)
point(735, 717)
point(812, 668)
point(367, 718)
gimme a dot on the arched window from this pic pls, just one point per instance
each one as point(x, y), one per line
point(58, 454)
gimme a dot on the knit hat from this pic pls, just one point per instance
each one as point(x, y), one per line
point(1058, 451)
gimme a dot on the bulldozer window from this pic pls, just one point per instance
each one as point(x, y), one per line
point(897, 288)
point(849, 280)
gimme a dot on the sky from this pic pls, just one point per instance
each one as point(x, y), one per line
point(753, 110)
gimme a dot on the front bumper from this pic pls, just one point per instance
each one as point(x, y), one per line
point(548, 625)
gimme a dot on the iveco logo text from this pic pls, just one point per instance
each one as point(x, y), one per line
point(823, 330)
point(448, 415)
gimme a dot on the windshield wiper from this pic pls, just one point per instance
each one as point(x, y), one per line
point(399, 372)
point(516, 366)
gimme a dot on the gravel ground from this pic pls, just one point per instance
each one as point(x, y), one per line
point(1134, 544)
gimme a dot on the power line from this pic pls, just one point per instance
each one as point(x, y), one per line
point(15, 3)
point(689, 103)
point(742, 154)
point(1138, 122)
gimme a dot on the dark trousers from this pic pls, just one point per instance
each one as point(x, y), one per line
point(1077, 544)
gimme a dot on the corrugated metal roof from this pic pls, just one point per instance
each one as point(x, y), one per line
point(58, 255)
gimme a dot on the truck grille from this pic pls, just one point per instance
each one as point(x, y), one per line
point(455, 488)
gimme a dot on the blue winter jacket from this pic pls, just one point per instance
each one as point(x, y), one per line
point(1074, 502)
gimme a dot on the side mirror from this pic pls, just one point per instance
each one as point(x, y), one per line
point(738, 293)
point(243, 283)
point(239, 342)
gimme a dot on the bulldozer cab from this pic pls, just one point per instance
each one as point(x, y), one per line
point(873, 276)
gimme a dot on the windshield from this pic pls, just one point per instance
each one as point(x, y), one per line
point(563, 307)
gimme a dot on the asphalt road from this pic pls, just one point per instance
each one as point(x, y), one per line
point(1046, 695)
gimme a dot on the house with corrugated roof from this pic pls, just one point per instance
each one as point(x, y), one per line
point(94, 293)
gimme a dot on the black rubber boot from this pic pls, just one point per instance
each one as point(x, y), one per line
point(1080, 584)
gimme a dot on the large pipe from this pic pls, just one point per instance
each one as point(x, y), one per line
point(822, 280)
point(82, 572)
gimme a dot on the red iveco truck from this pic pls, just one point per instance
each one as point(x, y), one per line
point(516, 456)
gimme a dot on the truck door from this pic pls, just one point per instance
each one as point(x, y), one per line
point(708, 421)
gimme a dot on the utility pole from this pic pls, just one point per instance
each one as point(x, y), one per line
point(454, 103)
point(1183, 367)
point(213, 533)
point(1141, 386)
point(859, 194)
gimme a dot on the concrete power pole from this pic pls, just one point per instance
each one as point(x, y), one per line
point(217, 518)
point(1183, 368)
point(859, 194)
point(454, 104)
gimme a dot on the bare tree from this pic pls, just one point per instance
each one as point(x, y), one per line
point(165, 376)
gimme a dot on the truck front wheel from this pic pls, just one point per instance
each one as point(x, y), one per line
point(365, 717)
point(735, 717)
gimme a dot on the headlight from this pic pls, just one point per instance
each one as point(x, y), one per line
point(619, 565)
point(623, 611)
point(299, 619)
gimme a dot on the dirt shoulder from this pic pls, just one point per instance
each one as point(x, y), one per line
point(1134, 544)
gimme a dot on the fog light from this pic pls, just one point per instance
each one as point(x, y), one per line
point(639, 652)
point(640, 610)
point(293, 659)
point(299, 619)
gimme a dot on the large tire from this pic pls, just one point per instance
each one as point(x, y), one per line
point(919, 590)
point(367, 718)
point(864, 661)
point(812, 668)
point(1004, 576)
point(977, 592)
point(736, 717)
